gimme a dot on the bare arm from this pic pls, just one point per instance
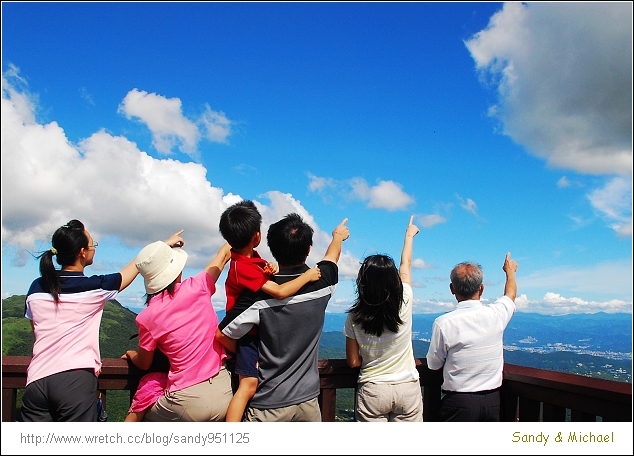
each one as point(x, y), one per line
point(352, 352)
point(340, 234)
point(141, 359)
point(292, 286)
point(217, 264)
point(510, 266)
point(405, 269)
point(226, 341)
point(129, 272)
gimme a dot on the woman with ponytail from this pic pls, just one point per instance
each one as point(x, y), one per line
point(378, 333)
point(65, 308)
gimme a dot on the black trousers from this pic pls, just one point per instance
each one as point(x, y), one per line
point(66, 396)
point(477, 406)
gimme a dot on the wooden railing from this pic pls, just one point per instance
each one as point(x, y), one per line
point(527, 394)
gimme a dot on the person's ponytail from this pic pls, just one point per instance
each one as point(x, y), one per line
point(67, 241)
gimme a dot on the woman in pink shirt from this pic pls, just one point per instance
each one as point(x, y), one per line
point(181, 322)
point(65, 308)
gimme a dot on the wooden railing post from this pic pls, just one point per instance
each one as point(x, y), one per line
point(9, 401)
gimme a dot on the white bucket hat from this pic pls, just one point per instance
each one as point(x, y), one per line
point(160, 264)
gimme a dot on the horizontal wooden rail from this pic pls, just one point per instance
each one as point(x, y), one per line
point(527, 394)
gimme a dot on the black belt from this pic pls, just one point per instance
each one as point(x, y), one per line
point(472, 392)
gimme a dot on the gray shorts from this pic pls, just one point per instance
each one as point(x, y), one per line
point(305, 411)
point(389, 402)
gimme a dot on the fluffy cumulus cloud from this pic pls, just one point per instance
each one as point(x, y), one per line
point(563, 73)
point(387, 195)
point(120, 191)
point(556, 304)
point(169, 126)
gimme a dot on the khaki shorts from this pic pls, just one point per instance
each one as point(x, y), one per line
point(389, 402)
point(206, 401)
point(306, 411)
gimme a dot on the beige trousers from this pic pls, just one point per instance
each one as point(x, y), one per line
point(206, 401)
point(306, 411)
point(389, 402)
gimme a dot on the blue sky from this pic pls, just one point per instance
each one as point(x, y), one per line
point(500, 127)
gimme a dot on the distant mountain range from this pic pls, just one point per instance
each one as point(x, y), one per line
point(600, 334)
point(597, 345)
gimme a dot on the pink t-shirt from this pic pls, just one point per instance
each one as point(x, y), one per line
point(184, 328)
point(67, 333)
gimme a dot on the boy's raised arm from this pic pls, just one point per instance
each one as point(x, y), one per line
point(282, 291)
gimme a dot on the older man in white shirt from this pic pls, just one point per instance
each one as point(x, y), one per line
point(468, 344)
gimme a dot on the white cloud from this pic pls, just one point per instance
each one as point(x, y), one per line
point(566, 182)
point(468, 205)
point(427, 221)
point(116, 189)
point(22, 102)
point(319, 184)
point(388, 195)
point(216, 125)
point(360, 188)
point(169, 126)
point(614, 203)
point(550, 304)
point(556, 304)
point(419, 263)
point(432, 306)
point(563, 72)
point(165, 119)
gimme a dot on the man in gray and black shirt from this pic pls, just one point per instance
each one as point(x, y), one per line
point(289, 329)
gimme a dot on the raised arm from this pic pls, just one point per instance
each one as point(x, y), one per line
point(405, 269)
point(292, 286)
point(129, 272)
point(217, 264)
point(510, 287)
point(340, 234)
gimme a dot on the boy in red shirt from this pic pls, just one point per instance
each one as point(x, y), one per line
point(240, 225)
